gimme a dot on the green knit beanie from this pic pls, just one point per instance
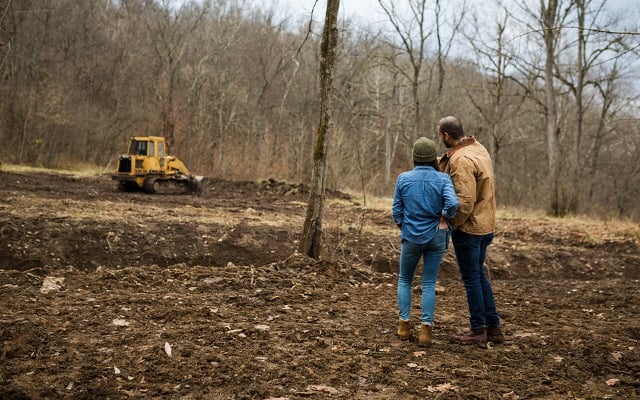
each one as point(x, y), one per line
point(424, 150)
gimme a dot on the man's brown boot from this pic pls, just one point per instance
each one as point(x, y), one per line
point(495, 335)
point(424, 336)
point(475, 336)
point(404, 330)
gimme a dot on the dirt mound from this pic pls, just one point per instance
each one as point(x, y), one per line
point(127, 295)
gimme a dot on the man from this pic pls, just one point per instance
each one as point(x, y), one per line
point(469, 165)
point(423, 200)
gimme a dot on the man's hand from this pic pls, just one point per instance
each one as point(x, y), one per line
point(443, 223)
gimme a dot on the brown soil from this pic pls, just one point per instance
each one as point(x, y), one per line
point(97, 287)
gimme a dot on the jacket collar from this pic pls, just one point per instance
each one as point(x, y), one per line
point(462, 143)
point(423, 167)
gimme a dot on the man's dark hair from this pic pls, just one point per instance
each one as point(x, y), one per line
point(452, 126)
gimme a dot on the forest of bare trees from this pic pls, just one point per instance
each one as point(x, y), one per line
point(550, 87)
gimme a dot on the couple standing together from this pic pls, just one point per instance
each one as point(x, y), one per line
point(429, 207)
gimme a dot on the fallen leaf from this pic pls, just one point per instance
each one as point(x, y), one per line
point(612, 382)
point(167, 348)
point(324, 388)
point(444, 387)
point(419, 353)
point(51, 284)
point(119, 322)
point(116, 370)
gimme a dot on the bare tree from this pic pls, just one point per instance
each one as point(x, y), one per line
point(310, 244)
point(414, 45)
point(390, 139)
point(414, 33)
point(593, 47)
point(550, 15)
point(548, 22)
point(7, 32)
point(606, 89)
point(169, 37)
point(495, 100)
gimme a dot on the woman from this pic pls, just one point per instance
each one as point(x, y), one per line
point(423, 201)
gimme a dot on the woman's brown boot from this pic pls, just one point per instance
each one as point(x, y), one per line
point(424, 336)
point(404, 330)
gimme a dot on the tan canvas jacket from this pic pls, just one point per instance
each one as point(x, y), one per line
point(469, 165)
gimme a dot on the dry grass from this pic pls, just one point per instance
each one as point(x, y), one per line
point(597, 229)
point(87, 170)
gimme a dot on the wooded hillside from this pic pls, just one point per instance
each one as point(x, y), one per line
point(235, 89)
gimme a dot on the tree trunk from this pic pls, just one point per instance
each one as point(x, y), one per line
point(549, 19)
point(310, 243)
point(607, 92)
point(580, 110)
point(388, 153)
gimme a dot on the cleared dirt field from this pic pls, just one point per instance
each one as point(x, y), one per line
point(110, 295)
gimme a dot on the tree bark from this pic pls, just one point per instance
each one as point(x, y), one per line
point(310, 244)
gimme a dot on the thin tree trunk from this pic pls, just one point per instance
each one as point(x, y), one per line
point(310, 244)
point(606, 91)
point(549, 18)
point(415, 86)
point(388, 154)
point(577, 140)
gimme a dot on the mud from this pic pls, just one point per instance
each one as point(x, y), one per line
point(112, 295)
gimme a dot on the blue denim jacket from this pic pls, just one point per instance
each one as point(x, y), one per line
point(421, 197)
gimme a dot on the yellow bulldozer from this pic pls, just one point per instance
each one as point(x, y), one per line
point(147, 166)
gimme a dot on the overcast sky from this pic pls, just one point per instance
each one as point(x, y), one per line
point(369, 10)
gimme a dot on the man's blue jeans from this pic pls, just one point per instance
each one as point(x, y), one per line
point(471, 251)
point(409, 257)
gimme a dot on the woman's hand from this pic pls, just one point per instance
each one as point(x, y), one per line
point(443, 224)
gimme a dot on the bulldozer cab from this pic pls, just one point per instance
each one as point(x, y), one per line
point(149, 146)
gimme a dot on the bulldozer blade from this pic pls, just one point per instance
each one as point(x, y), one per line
point(198, 183)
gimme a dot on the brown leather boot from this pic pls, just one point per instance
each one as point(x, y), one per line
point(424, 336)
point(475, 336)
point(404, 330)
point(494, 334)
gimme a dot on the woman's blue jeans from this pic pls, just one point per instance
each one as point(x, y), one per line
point(471, 251)
point(409, 258)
